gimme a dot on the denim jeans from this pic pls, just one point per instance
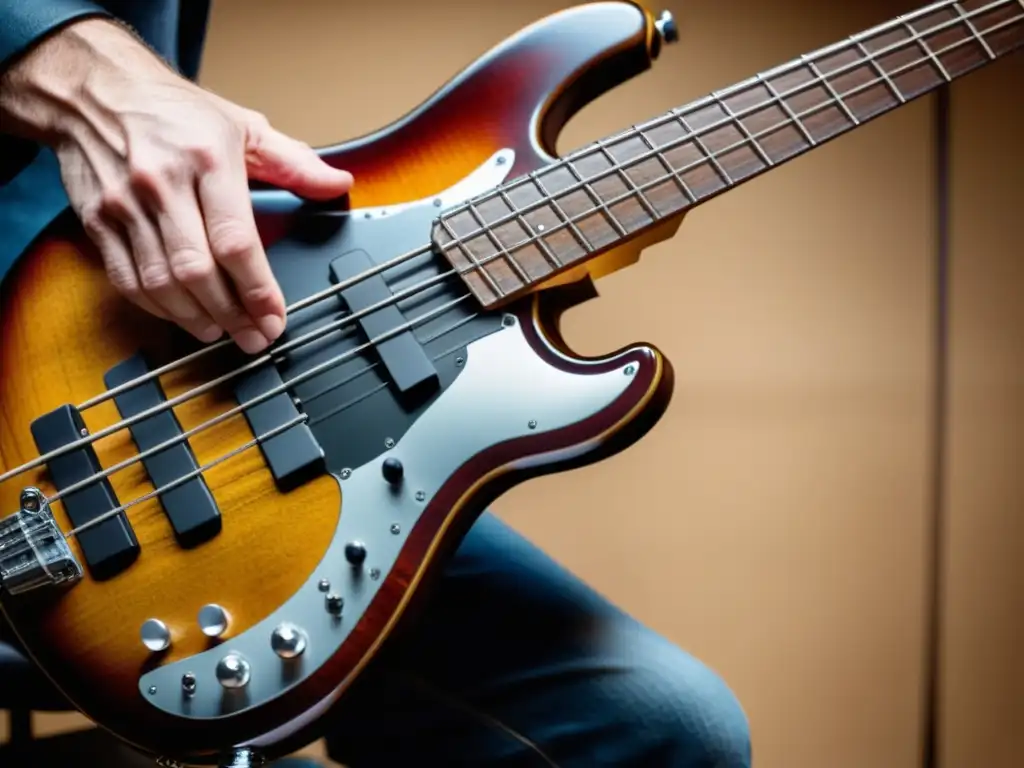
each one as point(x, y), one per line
point(517, 663)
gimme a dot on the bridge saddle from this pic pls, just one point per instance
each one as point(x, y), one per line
point(33, 551)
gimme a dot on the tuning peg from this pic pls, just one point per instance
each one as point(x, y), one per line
point(667, 28)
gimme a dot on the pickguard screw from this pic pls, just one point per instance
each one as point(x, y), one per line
point(508, 321)
point(500, 160)
point(346, 474)
point(152, 690)
point(324, 585)
point(420, 495)
point(459, 362)
point(396, 528)
point(532, 424)
point(389, 442)
point(375, 573)
point(367, 215)
point(437, 202)
point(83, 432)
point(630, 370)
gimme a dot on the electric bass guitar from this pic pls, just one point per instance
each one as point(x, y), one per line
point(204, 549)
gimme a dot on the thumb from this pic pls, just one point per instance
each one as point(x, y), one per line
point(285, 162)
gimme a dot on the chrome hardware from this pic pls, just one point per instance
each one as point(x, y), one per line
point(33, 550)
point(667, 28)
point(155, 635)
point(288, 641)
point(335, 603)
point(233, 671)
point(244, 757)
point(213, 620)
point(188, 683)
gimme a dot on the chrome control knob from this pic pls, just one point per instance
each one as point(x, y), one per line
point(155, 635)
point(213, 620)
point(288, 641)
point(233, 671)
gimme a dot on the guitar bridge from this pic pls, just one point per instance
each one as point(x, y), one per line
point(33, 550)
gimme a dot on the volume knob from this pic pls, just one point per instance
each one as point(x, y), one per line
point(233, 671)
point(288, 641)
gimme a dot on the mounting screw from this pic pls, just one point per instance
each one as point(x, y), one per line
point(83, 432)
point(367, 215)
point(389, 442)
point(375, 573)
point(629, 370)
point(508, 321)
point(437, 202)
point(346, 473)
point(459, 362)
point(396, 528)
point(500, 160)
point(152, 690)
point(532, 424)
point(420, 495)
point(324, 585)
point(334, 603)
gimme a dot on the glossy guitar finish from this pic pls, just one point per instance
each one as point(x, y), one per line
point(512, 402)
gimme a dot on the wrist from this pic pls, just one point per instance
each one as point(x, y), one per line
point(71, 80)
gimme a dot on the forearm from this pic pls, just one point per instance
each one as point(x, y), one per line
point(70, 80)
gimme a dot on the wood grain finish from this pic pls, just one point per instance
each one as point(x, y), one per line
point(62, 327)
point(508, 241)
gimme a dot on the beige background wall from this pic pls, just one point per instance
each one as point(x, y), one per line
point(776, 523)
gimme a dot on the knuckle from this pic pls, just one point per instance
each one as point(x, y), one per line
point(205, 157)
point(190, 266)
point(123, 281)
point(155, 277)
point(232, 245)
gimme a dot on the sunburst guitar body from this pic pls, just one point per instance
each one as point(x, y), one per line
point(204, 550)
point(233, 608)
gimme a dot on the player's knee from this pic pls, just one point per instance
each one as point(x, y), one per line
point(687, 717)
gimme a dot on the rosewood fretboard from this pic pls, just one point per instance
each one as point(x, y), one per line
point(506, 242)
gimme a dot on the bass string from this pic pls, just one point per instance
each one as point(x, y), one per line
point(326, 365)
point(477, 263)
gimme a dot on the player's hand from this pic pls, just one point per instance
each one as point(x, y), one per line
point(157, 170)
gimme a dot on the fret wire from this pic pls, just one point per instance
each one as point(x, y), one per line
point(552, 203)
point(828, 86)
point(974, 31)
point(595, 198)
point(795, 118)
point(542, 244)
point(499, 246)
point(746, 132)
point(781, 101)
point(897, 93)
point(708, 154)
point(670, 116)
point(475, 265)
point(687, 192)
point(916, 36)
point(624, 177)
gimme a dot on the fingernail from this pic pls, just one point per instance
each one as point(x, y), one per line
point(210, 333)
point(271, 325)
point(251, 341)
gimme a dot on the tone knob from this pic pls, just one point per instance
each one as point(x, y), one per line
point(213, 620)
point(355, 552)
point(233, 671)
point(392, 470)
point(155, 635)
point(288, 641)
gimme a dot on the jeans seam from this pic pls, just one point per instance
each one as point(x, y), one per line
point(486, 718)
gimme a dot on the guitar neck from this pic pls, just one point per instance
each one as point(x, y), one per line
point(507, 242)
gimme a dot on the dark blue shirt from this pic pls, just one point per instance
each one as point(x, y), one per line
point(31, 193)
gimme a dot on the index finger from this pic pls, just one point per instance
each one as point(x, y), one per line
point(235, 245)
